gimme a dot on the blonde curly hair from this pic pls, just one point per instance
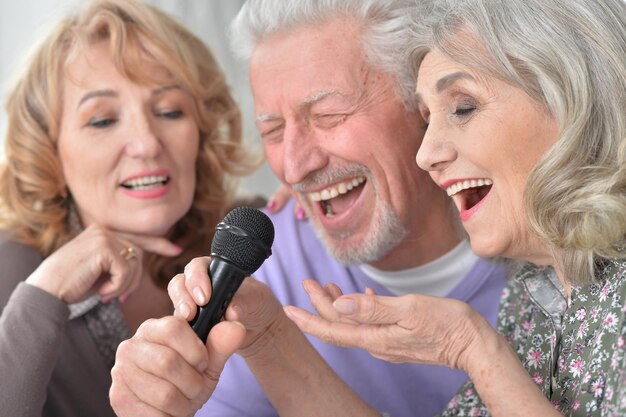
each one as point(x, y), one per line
point(35, 205)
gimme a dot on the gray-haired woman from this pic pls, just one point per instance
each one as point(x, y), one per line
point(524, 101)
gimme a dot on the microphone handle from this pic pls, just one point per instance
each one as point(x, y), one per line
point(225, 280)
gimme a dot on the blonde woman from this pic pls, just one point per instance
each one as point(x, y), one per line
point(122, 146)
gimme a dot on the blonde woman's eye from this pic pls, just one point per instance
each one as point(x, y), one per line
point(101, 123)
point(174, 114)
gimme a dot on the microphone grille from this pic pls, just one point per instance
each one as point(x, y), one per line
point(244, 238)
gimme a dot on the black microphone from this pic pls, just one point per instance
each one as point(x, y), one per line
point(242, 241)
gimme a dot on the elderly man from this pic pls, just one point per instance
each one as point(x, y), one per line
point(335, 108)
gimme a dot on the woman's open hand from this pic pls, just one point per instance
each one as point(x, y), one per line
point(411, 328)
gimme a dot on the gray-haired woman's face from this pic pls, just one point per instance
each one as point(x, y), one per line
point(483, 138)
point(128, 151)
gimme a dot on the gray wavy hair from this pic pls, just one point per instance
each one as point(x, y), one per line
point(384, 26)
point(570, 56)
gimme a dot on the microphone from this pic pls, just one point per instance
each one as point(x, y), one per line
point(242, 241)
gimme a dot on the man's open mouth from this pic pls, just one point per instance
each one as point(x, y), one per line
point(338, 198)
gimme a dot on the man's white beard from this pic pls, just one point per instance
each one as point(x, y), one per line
point(386, 232)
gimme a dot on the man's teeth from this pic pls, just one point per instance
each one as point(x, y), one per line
point(328, 209)
point(464, 185)
point(145, 182)
point(336, 190)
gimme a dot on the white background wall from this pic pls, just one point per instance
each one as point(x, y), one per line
point(23, 22)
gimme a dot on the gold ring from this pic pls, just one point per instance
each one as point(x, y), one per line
point(128, 253)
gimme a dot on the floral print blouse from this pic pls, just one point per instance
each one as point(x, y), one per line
point(574, 351)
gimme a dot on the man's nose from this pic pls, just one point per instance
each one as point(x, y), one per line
point(303, 152)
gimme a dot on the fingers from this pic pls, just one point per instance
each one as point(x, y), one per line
point(299, 209)
point(197, 280)
point(368, 291)
point(299, 212)
point(125, 403)
point(322, 299)
point(254, 305)
point(125, 269)
point(411, 328)
point(335, 291)
point(279, 199)
point(371, 309)
point(374, 339)
point(146, 393)
point(184, 304)
point(223, 340)
point(100, 261)
point(152, 244)
point(334, 332)
point(176, 335)
point(120, 258)
point(161, 370)
point(191, 288)
point(164, 370)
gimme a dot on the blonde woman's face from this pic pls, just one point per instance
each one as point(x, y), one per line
point(128, 151)
point(483, 138)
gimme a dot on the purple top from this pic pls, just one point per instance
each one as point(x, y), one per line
point(398, 389)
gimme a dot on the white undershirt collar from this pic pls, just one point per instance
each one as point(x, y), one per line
point(435, 278)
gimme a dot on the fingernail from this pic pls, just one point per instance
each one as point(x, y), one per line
point(306, 285)
point(236, 311)
point(290, 312)
point(184, 310)
point(105, 299)
point(300, 214)
point(199, 296)
point(311, 288)
point(124, 298)
point(179, 249)
point(240, 324)
point(203, 366)
point(344, 305)
point(271, 205)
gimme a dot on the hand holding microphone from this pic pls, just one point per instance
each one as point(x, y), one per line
point(242, 242)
